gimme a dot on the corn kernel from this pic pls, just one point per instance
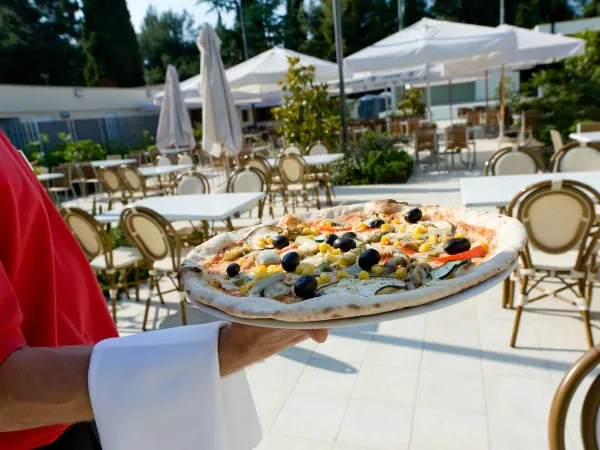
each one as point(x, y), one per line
point(310, 236)
point(398, 243)
point(328, 223)
point(260, 269)
point(401, 273)
point(402, 229)
point(335, 251)
point(424, 247)
point(323, 247)
point(271, 269)
point(363, 275)
point(343, 262)
point(460, 235)
point(385, 227)
point(420, 229)
point(342, 274)
point(260, 244)
point(434, 239)
point(361, 226)
point(261, 275)
point(300, 268)
point(377, 269)
point(242, 261)
point(308, 270)
point(484, 246)
point(269, 240)
point(326, 233)
point(385, 240)
point(324, 278)
point(417, 236)
point(305, 231)
point(245, 288)
point(395, 221)
point(261, 239)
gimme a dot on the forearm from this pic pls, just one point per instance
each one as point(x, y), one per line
point(44, 386)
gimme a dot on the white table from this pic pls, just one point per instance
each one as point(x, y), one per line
point(586, 138)
point(112, 162)
point(500, 190)
point(174, 151)
point(50, 176)
point(314, 160)
point(207, 207)
point(156, 171)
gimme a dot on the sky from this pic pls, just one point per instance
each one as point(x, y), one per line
point(137, 10)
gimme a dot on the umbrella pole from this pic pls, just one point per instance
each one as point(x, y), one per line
point(502, 112)
point(339, 52)
point(486, 90)
point(429, 115)
point(450, 100)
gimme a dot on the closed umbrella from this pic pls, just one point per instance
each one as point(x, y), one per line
point(221, 129)
point(174, 125)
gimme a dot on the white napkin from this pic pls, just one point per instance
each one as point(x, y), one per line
point(162, 390)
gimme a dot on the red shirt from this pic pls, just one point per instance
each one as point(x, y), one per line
point(49, 296)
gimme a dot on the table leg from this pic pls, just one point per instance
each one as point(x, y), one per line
point(228, 223)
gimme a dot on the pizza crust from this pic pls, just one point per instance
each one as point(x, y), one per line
point(509, 237)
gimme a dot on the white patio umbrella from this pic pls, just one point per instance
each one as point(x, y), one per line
point(221, 129)
point(428, 42)
point(174, 124)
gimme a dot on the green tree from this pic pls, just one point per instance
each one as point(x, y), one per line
point(414, 10)
point(38, 42)
point(232, 51)
point(307, 113)
point(293, 28)
point(592, 9)
point(168, 38)
point(315, 44)
point(112, 47)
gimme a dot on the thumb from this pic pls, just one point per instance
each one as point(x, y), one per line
point(319, 335)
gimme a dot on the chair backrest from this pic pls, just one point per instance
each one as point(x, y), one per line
point(412, 124)
point(246, 179)
point(112, 157)
point(456, 137)
point(65, 181)
point(491, 117)
point(292, 169)
point(558, 216)
point(87, 171)
point(259, 163)
point(557, 141)
point(587, 127)
point(89, 233)
point(575, 157)
point(132, 180)
point(140, 157)
point(192, 183)
point(163, 161)
point(474, 118)
point(530, 118)
point(319, 148)
point(184, 159)
point(513, 161)
point(395, 127)
point(590, 409)
point(110, 180)
point(425, 139)
point(152, 235)
point(292, 149)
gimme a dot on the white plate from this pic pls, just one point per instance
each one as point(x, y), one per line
point(363, 320)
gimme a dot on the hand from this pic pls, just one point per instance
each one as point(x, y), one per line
point(243, 345)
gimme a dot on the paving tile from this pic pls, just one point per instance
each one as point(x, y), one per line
point(271, 442)
point(512, 434)
point(310, 416)
point(350, 348)
point(452, 391)
point(497, 332)
point(518, 398)
point(376, 425)
point(276, 372)
point(437, 429)
point(460, 332)
point(515, 362)
point(323, 376)
point(268, 404)
point(386, 383)
point(409, 327)
point(394, 351)
point(456, 358)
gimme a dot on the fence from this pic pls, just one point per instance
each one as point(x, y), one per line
point(108, 131)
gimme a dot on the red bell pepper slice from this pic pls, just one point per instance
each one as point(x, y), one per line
point(407, 251)
point(476, 252)
point(334, 229)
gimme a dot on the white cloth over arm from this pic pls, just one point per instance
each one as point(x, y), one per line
point(162, 390)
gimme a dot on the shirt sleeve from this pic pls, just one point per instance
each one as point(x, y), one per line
point(11, 337)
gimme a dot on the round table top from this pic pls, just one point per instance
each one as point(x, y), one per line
point(50, 176)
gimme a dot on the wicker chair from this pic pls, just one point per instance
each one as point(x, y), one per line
point(296, 177)
point(274, 185)
point(113, 264)
point(112, 185)
point(426, 141)
point(513, 161)
point(292, 149)
point(62, 185)
point(575, 157)
point(587, 127)
point(557, 142)
point(559, 217)
point(161, 248)
point(191, 183)
point(457, 142)
point(319, 173)
point(135, 185)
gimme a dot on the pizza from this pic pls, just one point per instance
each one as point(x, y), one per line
point(350, 261)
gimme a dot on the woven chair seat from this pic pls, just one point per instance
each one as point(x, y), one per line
point(166, 264)
point(122, 257)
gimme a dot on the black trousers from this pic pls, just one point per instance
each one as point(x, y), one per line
point(80, 436)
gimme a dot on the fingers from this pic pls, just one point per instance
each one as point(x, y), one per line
point(319, 335)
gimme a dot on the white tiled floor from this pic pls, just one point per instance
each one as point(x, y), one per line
point(441, 381)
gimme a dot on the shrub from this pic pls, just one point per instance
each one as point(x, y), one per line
point(80, 151)
point(373, 160)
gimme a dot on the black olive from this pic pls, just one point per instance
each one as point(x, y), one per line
point(280, 242)
point(413, 216)
point(305, 286)
point(331, 239)
point(368, 259)
point(233, 269)
point(375, 223)
point(350, 235)
point(290, 261)
point(344, 244)
point(457, 245)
